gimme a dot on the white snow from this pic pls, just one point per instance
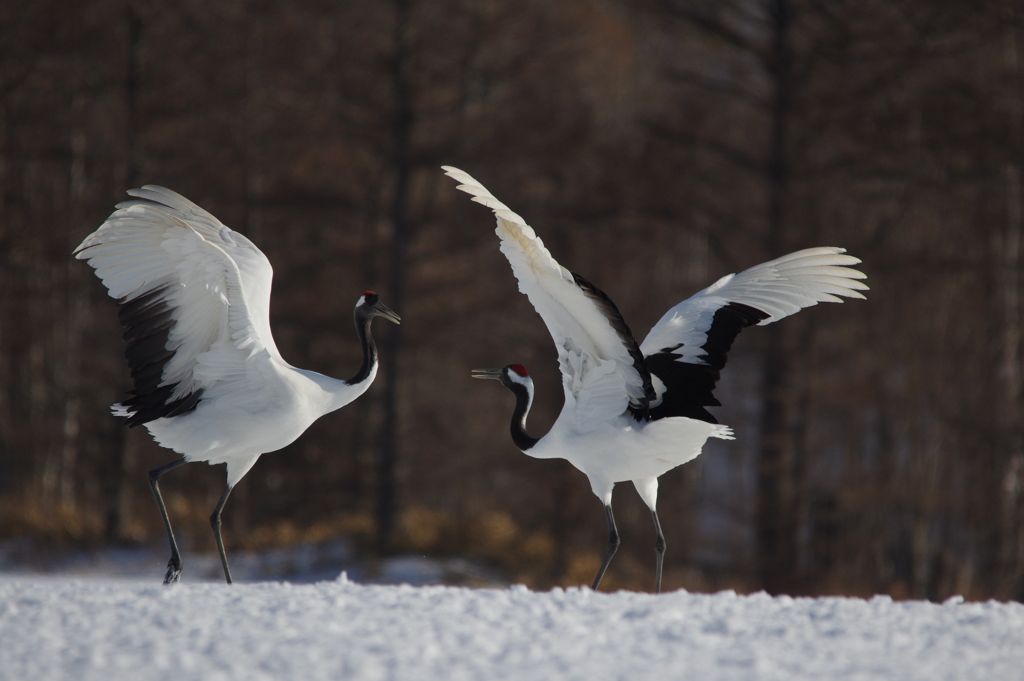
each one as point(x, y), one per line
point(55, 628)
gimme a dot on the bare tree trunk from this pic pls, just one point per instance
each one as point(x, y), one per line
point(778, 487)
point(74, 301)
point(402, 168)
point(6, 375)
point(124, 452)
point(925, 476)
point(1012, 535)
point(133, 78)
point(250, 176)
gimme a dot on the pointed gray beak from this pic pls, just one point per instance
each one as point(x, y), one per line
point(487, 373)
point(382, 310)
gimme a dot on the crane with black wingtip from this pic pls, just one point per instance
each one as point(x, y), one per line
point(208, 381)
point(634, 411)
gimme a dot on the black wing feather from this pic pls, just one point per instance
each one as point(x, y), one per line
point(689, 388)
point(147, 321)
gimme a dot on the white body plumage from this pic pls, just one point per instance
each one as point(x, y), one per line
point(225, 429)
point(622, 449)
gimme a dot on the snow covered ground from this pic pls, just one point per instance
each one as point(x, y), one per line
point(115, 628)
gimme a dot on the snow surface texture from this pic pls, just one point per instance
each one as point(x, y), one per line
point(59, 629)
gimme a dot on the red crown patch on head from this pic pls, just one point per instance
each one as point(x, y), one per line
point(519, 369)
point(369, 293)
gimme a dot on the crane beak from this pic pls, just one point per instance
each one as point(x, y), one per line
point(382, 310)
point(487, 373)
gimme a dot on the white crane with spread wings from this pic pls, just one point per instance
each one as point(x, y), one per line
point(208, 381)
point(634, 411)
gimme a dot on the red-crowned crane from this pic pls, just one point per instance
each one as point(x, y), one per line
point(634, 411)
point(208, 381)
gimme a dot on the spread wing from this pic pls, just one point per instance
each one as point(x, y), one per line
point(687, 348)
point(603, 372)
point(193, 297)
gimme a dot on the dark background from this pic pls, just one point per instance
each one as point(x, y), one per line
point(656, 146)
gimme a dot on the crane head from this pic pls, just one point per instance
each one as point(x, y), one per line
point(513, 374)
point(369, 305)
point(515, 378)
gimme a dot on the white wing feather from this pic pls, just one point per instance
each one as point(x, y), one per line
point(255, 270)
point(778, 288)
point(598, 375)
point(217, 284)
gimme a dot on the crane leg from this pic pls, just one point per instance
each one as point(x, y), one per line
point(613, 545)
point(174, 564)
point(659, 548)
point(215, 524)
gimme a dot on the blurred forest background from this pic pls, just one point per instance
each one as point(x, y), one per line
point(655, 145)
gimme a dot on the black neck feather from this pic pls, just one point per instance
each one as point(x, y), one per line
point(369, 348)
point(518, 428)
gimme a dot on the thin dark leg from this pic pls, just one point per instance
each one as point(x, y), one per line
point(215, 524)
point(659, 548)
point(174, 564)
point(613, 546)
